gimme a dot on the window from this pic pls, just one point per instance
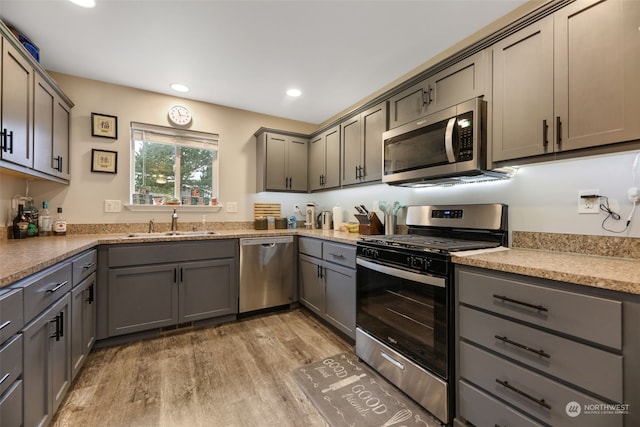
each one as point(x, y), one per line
point(173, 166)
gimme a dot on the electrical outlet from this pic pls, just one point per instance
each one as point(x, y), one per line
point(112, 206)
point(232, 207)
point(589, 205)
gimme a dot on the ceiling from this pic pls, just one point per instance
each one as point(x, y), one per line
point(246, 54)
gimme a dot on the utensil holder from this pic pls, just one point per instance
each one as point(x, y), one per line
point(390, 222)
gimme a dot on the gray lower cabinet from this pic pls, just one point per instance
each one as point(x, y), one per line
point(47, 362)
point(537, 352)
point(328, 282)
point(155, 285)
point(83, 322)
point(11, 367)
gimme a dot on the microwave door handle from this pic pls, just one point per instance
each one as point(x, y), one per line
point(448, 140)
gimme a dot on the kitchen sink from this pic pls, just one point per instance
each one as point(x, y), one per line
point(170, 234)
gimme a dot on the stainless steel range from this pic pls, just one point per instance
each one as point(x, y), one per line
point(405, 289)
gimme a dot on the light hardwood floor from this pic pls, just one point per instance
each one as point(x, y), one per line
point(237, 374)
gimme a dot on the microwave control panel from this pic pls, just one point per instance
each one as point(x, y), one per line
point(465, 137)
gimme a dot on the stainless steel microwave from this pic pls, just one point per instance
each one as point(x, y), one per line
point(447, 144)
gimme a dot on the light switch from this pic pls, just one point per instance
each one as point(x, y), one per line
point(232, 207)
point(112, 206)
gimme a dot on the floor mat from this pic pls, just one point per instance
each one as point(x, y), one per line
point(348, 393)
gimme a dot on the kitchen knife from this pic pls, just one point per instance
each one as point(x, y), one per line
point(364, 209)
point(360, 211)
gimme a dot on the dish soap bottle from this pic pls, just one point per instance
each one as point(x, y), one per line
point(60, 226)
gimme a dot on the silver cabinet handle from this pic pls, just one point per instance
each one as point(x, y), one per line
point(58, 286)
point(540, 402)
point(5, 324)
point(4, 378)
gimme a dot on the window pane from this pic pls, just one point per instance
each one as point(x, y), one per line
point(196, 171)
point(154, 168)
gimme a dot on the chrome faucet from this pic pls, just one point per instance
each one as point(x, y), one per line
point(174, 221)
point(151, 226)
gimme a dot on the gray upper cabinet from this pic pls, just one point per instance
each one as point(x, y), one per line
point(362, 146)
point(568, 81)
point(17, 84)
point(51, 118)
point(459, 82)
point(281, 162)
point(523, 92)
point(324, 160)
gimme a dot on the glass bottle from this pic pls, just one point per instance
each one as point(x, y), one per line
point(20, 224)
point(44, 220)
point(31, 212)
point(60, 226)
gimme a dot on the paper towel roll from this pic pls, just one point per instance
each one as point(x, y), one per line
point(337, 217)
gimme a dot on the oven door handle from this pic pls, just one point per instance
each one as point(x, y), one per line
point(403, 274)
point(391, 360)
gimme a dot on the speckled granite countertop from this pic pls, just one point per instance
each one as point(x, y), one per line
point(21, 258)
point(24, 257)
point(617, 274)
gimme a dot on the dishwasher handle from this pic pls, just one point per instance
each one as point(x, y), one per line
point(266, 242)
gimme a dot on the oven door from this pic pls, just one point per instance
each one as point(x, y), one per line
point(405, 310)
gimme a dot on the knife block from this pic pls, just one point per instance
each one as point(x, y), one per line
point(369, 224)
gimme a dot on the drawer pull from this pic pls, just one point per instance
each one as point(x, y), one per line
point(391, 360)
point(524, 347)
point(88, 266)
point(5, 324)
point(336, 255)
point(4, 378)
point(540, 402)
point(58, 286)
point(526, 304)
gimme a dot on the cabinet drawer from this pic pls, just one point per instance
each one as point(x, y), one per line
point(590, 368)
point(340, 254)
point(10, 362)
point(158, 253)
point(312, 247)
point(44, 288)
point(534, 394)
point(83, 265)
point(11, 406)
point(480, 409)
point(11, 313)
point(563, 311)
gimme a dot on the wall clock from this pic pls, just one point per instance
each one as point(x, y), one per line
point(179, 115)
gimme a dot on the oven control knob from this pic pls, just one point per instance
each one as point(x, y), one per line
point(417, 262)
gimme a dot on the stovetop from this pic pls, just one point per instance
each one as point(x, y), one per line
point(428, 243)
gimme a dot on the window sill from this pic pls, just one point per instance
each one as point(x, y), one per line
point(169, 208)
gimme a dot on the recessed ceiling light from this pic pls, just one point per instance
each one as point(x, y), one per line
point(294, 92)
point(84, 3)
point(179, 87)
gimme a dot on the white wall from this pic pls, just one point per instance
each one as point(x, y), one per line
point(542, 198)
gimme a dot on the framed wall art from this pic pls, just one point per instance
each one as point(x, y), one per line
point(104, 161)
point(104, 126)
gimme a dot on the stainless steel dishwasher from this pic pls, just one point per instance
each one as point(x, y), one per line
point(266, 272)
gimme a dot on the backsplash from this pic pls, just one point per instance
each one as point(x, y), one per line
point(610, 246)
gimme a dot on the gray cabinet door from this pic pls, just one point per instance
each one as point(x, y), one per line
point(317, 162)
point(332, 141)
point(597, 67)
point(523, 122)
point(351, 150)
point(142, 298)
point(61, 142)
point(297, 158)
point(83, 322)
point(311, 284)
point(207, 289)
point(17, 84)
point(340, 298)
point(460, 82)
point(276, 169)
point(47, 367)
point(43, 102)
point(409, 104)
point(373, 124)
